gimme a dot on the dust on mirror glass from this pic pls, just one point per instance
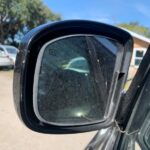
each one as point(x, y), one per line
point(72, 79)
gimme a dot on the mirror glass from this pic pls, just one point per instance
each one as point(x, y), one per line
point(72, 79)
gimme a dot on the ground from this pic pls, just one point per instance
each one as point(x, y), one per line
point(15, 136)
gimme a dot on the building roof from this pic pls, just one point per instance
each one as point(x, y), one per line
point(138, 36)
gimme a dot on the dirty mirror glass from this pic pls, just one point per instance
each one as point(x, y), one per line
point(72, 79)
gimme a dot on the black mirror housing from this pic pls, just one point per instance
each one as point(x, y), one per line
point(26, 63)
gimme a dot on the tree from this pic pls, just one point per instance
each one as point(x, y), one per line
point(136, 27)
point(19, 16)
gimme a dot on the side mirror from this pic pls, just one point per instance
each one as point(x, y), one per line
point(2, 54)
point(69, 76)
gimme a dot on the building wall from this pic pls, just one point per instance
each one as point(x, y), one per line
point(141, 46)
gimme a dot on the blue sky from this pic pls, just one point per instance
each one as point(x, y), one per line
point(108, 11)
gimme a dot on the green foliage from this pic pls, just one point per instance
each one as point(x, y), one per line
point(19, 16)
point(136, 27)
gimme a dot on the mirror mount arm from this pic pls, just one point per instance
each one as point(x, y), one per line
point(100, 140)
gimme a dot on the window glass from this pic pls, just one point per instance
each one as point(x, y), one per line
point(147, 137)
point(11, 50)
point(72, 68)
point(138, 57)
point(139, 53)
point(1, 49)
point(137, 62)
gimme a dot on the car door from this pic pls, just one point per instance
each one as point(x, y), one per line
point(135, 117)
point(132, 128)
point(11, 52)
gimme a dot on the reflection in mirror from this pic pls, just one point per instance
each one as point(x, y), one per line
point(72, 79)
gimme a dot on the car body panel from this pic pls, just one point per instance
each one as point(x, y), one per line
point(8, 58)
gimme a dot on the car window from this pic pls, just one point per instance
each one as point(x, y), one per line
point(147, 137)
point(11, 50)
point(1, 49)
